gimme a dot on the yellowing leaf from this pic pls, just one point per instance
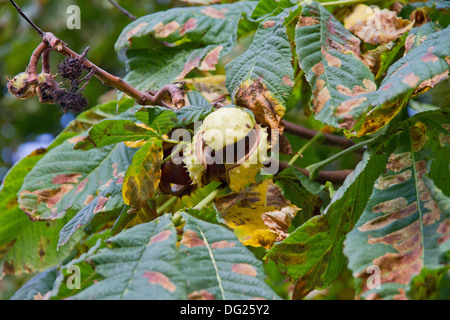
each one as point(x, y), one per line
point(259, 215)
point(143, 175)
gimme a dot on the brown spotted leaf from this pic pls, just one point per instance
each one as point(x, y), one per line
point(27, 246)
point(262, 78)
point(331, 59)
point(142, 263)
point(147, 262)
point(404, 227)
point(218, 266)
point(420, 69)
point(67, 179)
point(312, 254)
point(259, 215)
point(109, 199)
point(166, 46)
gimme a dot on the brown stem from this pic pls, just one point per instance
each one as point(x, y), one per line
point(329, 139)
point(46, 60)
point(143, 98)
point(336, 176)
point(34, 60)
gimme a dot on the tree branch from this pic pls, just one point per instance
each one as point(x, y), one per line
point(49, 41)
point(329, 139)
point(26, 18)
point(336, 176)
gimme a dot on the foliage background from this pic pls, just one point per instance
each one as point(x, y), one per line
point(28, 124)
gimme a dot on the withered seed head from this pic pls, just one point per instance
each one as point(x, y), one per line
point(71, 69)
point(47, 86)
point(68, 101)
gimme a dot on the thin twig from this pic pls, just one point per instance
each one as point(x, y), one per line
point(87, 78)
point(124, 11)
point(41, 33)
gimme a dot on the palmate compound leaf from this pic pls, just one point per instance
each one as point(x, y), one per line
point(145, 262)
point(313, 253)
point(217, 266)
point(66, 179)
point(262, 78)
point(344, 92)
point(198, 37)
point(404, 227)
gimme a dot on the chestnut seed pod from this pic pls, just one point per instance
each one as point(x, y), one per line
point(20, 87)
point(229, 146)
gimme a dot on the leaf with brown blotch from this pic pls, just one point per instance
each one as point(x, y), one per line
point(331, 58)
point(420, 69)
point(217, 266)
point(404, 226)
point(376, 26)
point(69, 179)
point(259, 215)
point(262, 78)
point(166, 46)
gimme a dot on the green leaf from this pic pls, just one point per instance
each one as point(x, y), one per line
point(109, 132)
point(417, 35)
point(403, 227)
point(143, 175)
point(159, 119)
point(331, 59)
point(218, 266)
point(269, 7)
point(109, 199)
point(66, 179)
point(198, 109)
point(430, 284)
point(312, 254)
point(38, 286)
point(199, 37)
point(263, 75)
point(141, 263)
point(27, 246)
